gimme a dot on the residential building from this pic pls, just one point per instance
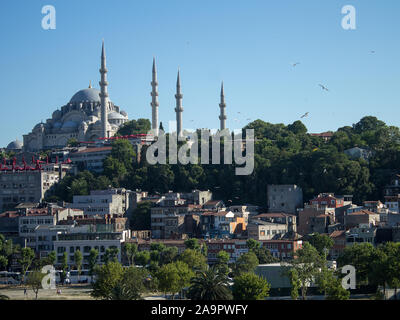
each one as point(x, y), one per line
point(361, 217)
point(393, 188)
point(328, 200)
point(393, 203)
point(221, 224)
point(364, 233)
point(290, 220)
point(262, 230)
point(9, 224)
point(168, 221)
point(91, 158)
point(339, 243)
point(326, 136)
point(28, 185)
point(306, 226)
point(39, 217)
point(373, 206)
point(214, 205)
point(87, 237)
point(282, 249)
point(284, 198)
point(103, 202)
point(234, 247)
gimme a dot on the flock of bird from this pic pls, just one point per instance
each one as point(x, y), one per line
point(323, 87)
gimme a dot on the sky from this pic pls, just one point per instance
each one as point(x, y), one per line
point(249, 45)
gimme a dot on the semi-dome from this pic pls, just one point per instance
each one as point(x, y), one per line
point(15, 145)
point(89, 94)
point(69, 124)
point(115, 116)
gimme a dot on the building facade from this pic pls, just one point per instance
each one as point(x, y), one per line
point(284, 198)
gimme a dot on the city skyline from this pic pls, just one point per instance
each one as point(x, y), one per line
point(271, 62)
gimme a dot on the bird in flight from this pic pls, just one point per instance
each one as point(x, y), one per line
point(372, 51)
point(323, 87)
point(304, 115)
point(295, 64)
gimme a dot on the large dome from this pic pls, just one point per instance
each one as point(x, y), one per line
point(89, 94)
point(15, 145)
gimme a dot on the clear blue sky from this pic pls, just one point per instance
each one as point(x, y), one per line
point(250, 45)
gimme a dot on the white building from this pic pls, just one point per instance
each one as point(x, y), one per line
point(85, 238)
point(102, 202)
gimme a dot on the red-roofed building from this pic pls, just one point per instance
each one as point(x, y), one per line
point(328, 200)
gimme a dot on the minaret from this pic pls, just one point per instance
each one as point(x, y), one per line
point(222, 105)
point(154, 100)
point(179, 108)
point(103, 93)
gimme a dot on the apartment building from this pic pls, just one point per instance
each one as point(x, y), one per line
point(217, 224)
point(85, 238)
point(28, 185)
point(263, 230)
point(90, 158)
point(103, 202)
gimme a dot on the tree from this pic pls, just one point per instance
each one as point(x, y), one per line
point(92, 261)
point(130, 250)
point(295, 282)
point(246, 263)
point(222, 262)
point(173, 277)
point(72, 142)
point(210, 284)
point(111, 254)
point(168, 255)
point(51, 259)
point(192, 243)
point(122, 151)
point(142, 258)
point(26, 259)
point(297, 127)
point(392, 251)
point(64, 266)
point(249, 286)
point(134, 127)
point(194, 259)
point(78, 261)
point(140, 218)
point(131, 286)
point(360, 256)
point(108, 277)
point(263, 254)
point(306, 266)
point(35, 281)
point(3, 263)
point(320, 242)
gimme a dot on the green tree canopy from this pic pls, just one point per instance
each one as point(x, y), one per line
point(249, 286)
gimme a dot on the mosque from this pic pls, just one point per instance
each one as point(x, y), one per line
point(91, 116)
point(88, 116)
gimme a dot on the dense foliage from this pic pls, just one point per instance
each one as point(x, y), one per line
point(283, 155)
